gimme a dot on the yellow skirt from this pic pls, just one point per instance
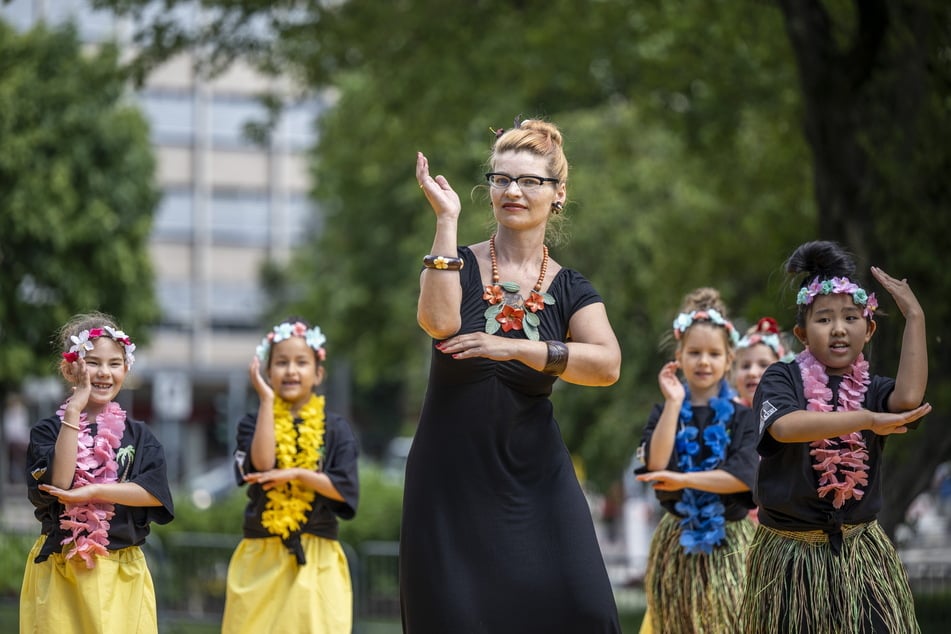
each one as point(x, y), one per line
point(269, 592)
point(65, 597)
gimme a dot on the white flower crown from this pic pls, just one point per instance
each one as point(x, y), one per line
point(313, 336)
point(712, 315)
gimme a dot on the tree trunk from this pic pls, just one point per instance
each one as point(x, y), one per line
point(861, 96)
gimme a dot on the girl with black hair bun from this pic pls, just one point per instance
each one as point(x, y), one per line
point(819, 561)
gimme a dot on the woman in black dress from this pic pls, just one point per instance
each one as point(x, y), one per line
point(497, 536)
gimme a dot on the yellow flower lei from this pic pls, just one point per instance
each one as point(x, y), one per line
point(296, 446)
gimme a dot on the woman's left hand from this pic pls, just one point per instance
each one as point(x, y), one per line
point(478, 344)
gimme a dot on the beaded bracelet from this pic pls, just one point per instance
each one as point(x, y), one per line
point(443, 263)
point(557, 358)
point(70, 425)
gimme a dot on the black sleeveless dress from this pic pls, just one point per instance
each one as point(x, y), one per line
point(497, 536)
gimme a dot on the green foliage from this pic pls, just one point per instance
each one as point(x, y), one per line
point(377, 519)
point(76, 172)
point(380, 510)
point(14, 549)
point(683, 122)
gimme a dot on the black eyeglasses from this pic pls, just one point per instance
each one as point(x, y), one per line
point(526, 182)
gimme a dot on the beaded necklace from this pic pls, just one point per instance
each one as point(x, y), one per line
point(88, 523)
point(507, 307)
point(298, 446)
point(703, 525)
point(840, 461)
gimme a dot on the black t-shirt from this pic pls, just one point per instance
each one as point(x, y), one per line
point(339, 462)
point(740, 458)
point(786, 482)
point(141, 460)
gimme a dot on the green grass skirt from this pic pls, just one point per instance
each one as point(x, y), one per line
point(799, 586)
point(694, 594)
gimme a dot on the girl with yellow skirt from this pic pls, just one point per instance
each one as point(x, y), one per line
point(97, 480)
point(289, 574)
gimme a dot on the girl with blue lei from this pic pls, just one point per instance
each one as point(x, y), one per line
point(699, 452)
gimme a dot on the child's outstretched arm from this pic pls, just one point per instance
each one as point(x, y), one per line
point(806, 426)
point(125, 493)
point(912, 376)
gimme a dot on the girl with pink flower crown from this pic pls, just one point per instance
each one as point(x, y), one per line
point(97, 480)
point(699, 451)
point(819, 561)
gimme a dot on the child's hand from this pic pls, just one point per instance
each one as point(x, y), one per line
point(265, 392)
point(79, 495)
point(886, 423)
point(78, 375)
point(669, 382)
point(665, 480)
point(900, 291)
point(271, 478)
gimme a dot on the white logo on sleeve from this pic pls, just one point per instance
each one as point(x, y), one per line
point(765, 411)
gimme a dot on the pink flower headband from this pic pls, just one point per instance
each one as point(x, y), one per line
point(83, 342)
point(836, 286)
point(313, 336)
point(712, 315)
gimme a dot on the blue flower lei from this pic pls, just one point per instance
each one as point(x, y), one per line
point(703, 525)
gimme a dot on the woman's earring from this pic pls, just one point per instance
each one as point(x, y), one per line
point(556, 207)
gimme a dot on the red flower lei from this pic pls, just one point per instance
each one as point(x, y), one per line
point(841, 461)
point(88, 523)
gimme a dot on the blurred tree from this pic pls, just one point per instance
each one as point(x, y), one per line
point(681, 121)
point(76, 197)
point(875, 78)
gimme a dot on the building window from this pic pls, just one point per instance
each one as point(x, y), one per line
point(174, 216)
point(240, 217)
point(171, 116)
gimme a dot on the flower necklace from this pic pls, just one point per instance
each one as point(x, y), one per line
point(88, 523)
point(841, 461)
point(507, 308)
point(297, 446)
point(703, 525)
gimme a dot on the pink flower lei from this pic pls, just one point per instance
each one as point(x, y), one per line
point(841, 461)
point(88, 523)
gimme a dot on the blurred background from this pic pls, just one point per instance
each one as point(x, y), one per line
point(201, 170)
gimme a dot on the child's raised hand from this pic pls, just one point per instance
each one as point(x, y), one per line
point(669, 382)
point(257, 381)
point(78, 375)
point(886, 423)
point(899, 290)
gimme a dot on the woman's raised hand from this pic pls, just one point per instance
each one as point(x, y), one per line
point(444, 200)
